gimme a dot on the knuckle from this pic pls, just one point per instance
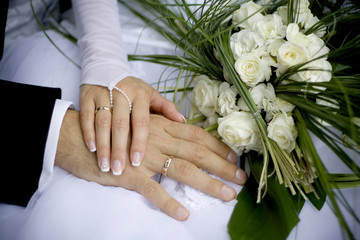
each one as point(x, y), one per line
point(157, 122)
point(120, 123)
point(103, 122)
point(142, 93)
point(86, 115)
point(149, 189)
point(156, 139)
point(198, 134)
point(142, 122)
point(199, 151)
point(185, 169)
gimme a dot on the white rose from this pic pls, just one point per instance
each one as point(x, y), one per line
point(247, 15)
point(226, 102)
point(252, 70)
point(315, 71)
point(302, 12)
point(294, 35)
point(271, 27)
point(282, 130)
point(205, 94)
point(317, 48)
point(244, 42)
point(273, 47)
point(290, 54)
point(314, 44)
point(277, 106)
point(239, 130)
point(311, 21)
point(264, 56)
point(257, 94)
point(261, 93)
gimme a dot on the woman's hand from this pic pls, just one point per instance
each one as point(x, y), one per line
point(191, 146)
point(108, 133)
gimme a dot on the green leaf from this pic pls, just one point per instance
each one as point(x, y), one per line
point(273, 218)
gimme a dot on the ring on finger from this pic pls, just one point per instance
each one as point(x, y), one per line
point(103, 108)
point(166, 165)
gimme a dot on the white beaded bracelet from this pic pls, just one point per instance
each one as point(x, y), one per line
point(124, 94)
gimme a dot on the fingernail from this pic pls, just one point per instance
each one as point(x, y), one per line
point(181, 213)
point(91, 146)
point(227, 192)
point(241, 176)
point(183, 117)
point(104, 164)
point(232, 157)
point(136, 159)
point(116, 168)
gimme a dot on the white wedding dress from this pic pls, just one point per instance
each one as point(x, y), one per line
point(71, 208)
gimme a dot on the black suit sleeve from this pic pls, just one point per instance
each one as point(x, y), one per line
point(4, 4)
point(26, 112)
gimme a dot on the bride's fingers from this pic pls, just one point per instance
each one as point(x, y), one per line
point(120, 133)
point(155, 193)
point(102, 128)
point(140, 118)
point(188, 173)
point(161, 105)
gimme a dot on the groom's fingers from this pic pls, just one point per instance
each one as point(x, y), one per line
point(203, 158)
point(198, 135)
point(195, 148)
point(186, 172)
point(156, 194)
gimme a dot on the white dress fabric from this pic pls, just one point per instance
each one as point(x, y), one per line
point(66, 207)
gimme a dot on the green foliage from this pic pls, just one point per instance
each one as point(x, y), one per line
point(273, 218)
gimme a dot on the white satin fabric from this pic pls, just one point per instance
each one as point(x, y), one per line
point(66, 207)
point(103, 57)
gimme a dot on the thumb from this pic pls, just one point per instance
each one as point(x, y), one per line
point(161, 105)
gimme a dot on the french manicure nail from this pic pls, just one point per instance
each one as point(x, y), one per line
point(183, 117)
point(136, 159)
point(116, 169)
point(104, 164)
point(232, 157)
point(227, 192)
point(181, 213)
point(91, 146)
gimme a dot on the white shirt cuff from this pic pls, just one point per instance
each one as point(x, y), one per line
point(59, 112)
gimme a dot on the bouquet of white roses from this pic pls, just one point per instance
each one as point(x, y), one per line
point(264, 46)
point(262, 77)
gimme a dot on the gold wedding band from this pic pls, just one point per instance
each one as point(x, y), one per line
point(166, 165)
point(103, 108)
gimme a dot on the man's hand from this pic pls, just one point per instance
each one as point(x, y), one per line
point(192, 147)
